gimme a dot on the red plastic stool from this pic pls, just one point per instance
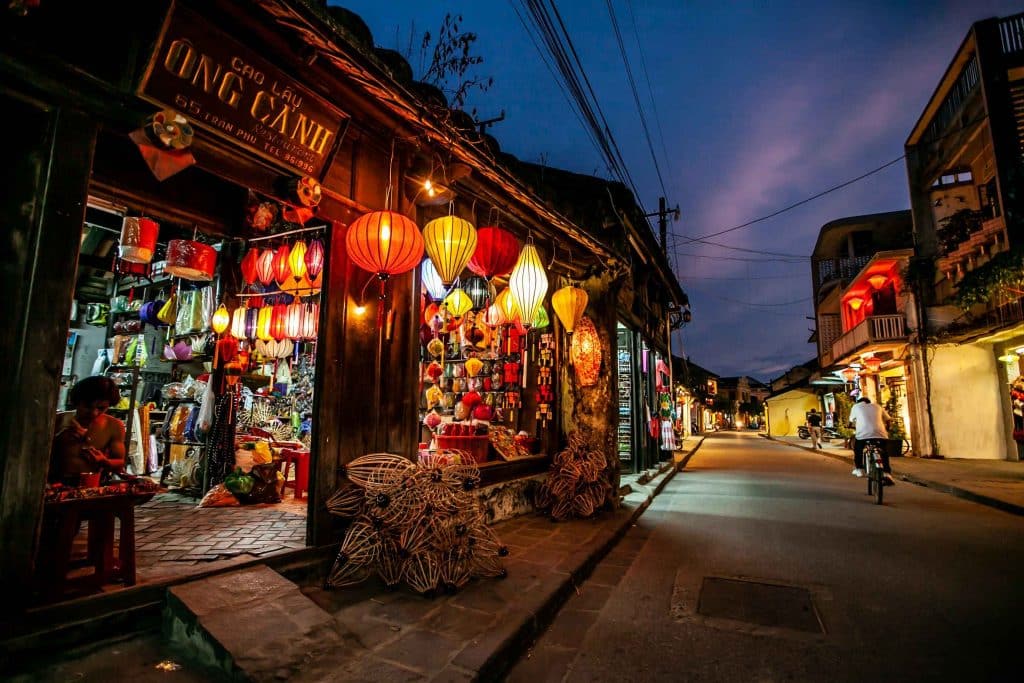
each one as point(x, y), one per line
point(300, 459)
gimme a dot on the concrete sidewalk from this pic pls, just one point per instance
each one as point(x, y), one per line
point(996, 483)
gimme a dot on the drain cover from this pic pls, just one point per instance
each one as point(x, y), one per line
point(764, 604)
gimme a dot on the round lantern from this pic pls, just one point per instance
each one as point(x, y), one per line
point(849, 374)
point(432, 281)
point(450, 242)
point(221, 319)
point(293, 320)
point(528, 283)
point(541, 320)
point(384, 242)
point(238, 322)
point(282, 270)
point(297, 260)
point(508, 307)
point(473, 366)
point(432, 311)
point(265, 267)
point(249, 266)
point(569, 304)
point(480, 291)
point(138, 239)
point(191, 260)
point(494, 316)
point(458, 303)
point(496, 252)
point(585, 352)
point(315, 259)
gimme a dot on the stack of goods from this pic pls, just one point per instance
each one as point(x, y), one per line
point(134, 486)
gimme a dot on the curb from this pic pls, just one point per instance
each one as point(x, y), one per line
point(512, 648)
point(981, 499)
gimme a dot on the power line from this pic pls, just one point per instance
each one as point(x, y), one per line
point(650, 91)
point(782, 259)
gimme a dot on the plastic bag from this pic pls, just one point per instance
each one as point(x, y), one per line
point(218, 497)
point(265, 485)
point(204, 421)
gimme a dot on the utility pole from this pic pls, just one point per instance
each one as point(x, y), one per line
point(663, 213)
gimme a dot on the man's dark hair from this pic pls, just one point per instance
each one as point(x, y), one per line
point(93, 389)
point(863, 399)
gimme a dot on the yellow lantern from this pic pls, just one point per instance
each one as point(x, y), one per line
point(473, 366)
point(507, 306)
point(450, 242)
point(266, 316)
point(297, 260)
point(238, 322)
point(528, 283)
point(221, 319)
point(458, 303)
point(569, 304)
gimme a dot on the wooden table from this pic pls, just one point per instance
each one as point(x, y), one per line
point(61, 523)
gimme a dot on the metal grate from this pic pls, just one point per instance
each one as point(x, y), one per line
point(765, 604)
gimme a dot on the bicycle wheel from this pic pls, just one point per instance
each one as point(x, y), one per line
point(879, 478)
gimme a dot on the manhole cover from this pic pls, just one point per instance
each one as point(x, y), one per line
point(764, 604)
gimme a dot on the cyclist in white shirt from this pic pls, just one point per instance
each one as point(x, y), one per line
point(869, 420)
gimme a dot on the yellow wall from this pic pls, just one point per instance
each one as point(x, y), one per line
point(786, 411)
point(967, 408)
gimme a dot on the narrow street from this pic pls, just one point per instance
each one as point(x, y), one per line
point(925, 587)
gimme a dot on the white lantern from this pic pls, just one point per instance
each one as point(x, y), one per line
point(528, 283)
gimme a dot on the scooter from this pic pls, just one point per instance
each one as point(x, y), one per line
point(826, 432)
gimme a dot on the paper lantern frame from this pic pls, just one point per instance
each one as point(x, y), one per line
point(528, 283)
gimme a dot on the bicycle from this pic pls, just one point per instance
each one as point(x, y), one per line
point(874, 469)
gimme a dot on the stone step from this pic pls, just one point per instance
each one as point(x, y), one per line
point(253, 624)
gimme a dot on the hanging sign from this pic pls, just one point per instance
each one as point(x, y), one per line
point(227, 88)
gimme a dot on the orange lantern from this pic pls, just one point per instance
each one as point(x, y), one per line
point(384, 242)
point(138, 239)
point(507, 305)
point(586, 352)
point(849, 374)
point(278, 322)
point(873, 363)
point(431, 312)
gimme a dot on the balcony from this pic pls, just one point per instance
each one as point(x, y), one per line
point(1011, 31)
point(828, 269)
point(880, 331)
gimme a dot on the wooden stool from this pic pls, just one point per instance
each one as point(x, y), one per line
point(300, 459)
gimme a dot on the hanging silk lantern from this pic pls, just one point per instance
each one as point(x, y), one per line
point(569, 304)
point(314, 259)
point(528, 283)
point(138, 239)
point(873, 363)
point(311, 321)
point(494, 316)
point(458, 303)
point(480, 291)
point(252, 316)
point(849, 374)
point(450, 242)
point(432, 281)
point(384, 242)
point(435, 347)
point(541, 320)
point(249, 266)
point(508, 307)
point(278, 321)
point(496, 252)
point(293, 320)
point(263, 323)
point(473, 366)
point(191, 260)
point(265, 267)
point(432, 311)
point(282, 270)
point(238, 322)
point(585, 352)
point(297, 260)
point(220, 320)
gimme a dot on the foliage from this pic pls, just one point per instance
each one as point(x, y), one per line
point(752, 407)
point(843, 404)
point(1005, 269)
point(957, 229)
point(895, 423)
point(452, 61)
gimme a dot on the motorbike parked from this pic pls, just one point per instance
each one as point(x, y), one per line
point(826, 432)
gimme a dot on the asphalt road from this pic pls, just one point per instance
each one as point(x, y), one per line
point(763, 562)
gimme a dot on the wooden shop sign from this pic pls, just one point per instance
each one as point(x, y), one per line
point(225, 87)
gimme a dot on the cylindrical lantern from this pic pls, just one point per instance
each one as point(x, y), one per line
point(310, 321)
point(252, 317)
point(496, 252)
point(569, 304)
point(541, 320)
point(263, 323)
point(314, 259)
point(297, 260)
point(191, 260)
point(480, 291)
point(450, 242)
point(508, 306)
point(279, 322)
point(586, 352)
point(238, 322)
point(384, 242)
point(220, 320)
point(293, 320)
point(265, 267)
point(249, 266)
point(458, 303)
point(282, 270)
point(528, 283)
point(138, 239)
point(432, 281)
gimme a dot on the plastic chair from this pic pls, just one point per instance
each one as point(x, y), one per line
point(300, 459)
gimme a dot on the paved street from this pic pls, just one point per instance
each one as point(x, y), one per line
point(762, 562)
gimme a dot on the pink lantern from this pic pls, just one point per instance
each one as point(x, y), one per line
point(293, 320)
point(314, 259)
point(265, 267)
point(191, 260)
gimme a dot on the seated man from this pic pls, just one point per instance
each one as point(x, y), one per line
point(869, 423)
point(86, 438)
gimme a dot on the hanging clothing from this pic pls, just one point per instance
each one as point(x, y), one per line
point(668, 436)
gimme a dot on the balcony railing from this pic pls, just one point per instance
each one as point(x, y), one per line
point(828, 269)
point(1011, 30)
point(874, 329)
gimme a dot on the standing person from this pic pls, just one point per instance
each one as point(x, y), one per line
point(87, 439)
point(814, 427)
point(868, 420)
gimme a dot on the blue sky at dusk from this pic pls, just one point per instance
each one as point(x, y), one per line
point(761, 104)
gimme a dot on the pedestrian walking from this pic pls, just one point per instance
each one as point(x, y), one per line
point(814, 427)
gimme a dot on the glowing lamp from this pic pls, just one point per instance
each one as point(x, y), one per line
point(528, 283)
point(569, 304)
point(458, 303)
point(310, 321)
point(496, 252)
point(249, 264)
point(849, 374)
point(855, 302)
point(479, 290)
point(138, 239)
point(221, 319)
point(494, 316)
point(873, 364)
point(263, 323)
point(252, 316)
point(315, 259)
point(384, 242)
point(585, 352)
point(265, 267)
point(191, 260)
point(278, 321)
point(293, 320)
point(541, 320)
point(297, 260)
point(450, 242)
point(508, 306)
point(1009, 358)
point(432, 280)
point(238, 330)
point(282, 271)
point(876, 281)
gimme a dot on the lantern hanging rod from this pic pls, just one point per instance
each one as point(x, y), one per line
point(282, 234)
point(295, 293)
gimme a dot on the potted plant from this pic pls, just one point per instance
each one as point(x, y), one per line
point(894, 425)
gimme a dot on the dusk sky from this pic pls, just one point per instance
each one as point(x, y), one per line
point(761, 104)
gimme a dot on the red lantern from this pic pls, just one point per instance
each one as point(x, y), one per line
point(873, 363)
point(265, 267)
point(314, 259)
point(138, 239)
point(279, 322)
point(249, 265)
point(384, 242)
point(496, 252)
point(849, 374)
point(191, 260)
point(282, 271)
point(586, 352)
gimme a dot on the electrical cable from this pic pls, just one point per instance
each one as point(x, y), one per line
point(650, 92)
